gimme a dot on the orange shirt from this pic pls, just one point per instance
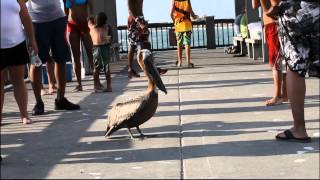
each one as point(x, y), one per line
point(181, 16)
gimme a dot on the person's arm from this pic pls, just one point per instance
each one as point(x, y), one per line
point(256, 4)
point(193, 15)
point(28, 26)
point(275, 2)
point(66, 10)
point(110, 33)
point(273, 11)
point(130, 6)
point(172, 11)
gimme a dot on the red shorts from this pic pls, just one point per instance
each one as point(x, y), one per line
point(79, 28)
point(272, 38)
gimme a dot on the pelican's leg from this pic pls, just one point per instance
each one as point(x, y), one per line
point(129, 130)
point(141, 134)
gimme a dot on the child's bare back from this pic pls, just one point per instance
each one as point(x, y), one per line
point(99, 35)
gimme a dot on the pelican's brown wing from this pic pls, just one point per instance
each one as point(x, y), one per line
point(122, 112)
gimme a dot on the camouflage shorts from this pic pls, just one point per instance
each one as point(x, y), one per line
point(299, 36)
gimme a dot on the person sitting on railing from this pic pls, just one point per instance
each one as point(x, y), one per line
point(138, 34)
point(181, 13)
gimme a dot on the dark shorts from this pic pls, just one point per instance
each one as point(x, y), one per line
point(136, 35)
point(14, 56)
point(52, 36)
point(101, 57)
point(299, 36)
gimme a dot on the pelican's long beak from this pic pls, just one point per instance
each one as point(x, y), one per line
point(152, 70)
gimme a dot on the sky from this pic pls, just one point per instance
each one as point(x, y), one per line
point(159, 10)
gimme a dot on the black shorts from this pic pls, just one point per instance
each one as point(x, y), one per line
point(51, 36)
point(14, 56)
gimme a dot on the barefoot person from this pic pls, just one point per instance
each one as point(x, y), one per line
point(138, 34)
point(78, 13)
point(101, 35)
point(271, 33)
point(14, 53)
point(181, 14)
point(299, 38)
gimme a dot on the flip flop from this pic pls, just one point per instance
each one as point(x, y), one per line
point(277, 102)
point(190, 65)
point(162, 71)
point(178, 65)
point(290, 137)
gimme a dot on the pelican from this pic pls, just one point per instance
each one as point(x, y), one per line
point(134, 112)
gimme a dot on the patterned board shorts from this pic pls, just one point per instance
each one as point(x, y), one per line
point(101, 57)
point(137, 35)
point(183, 38)
point(299, 36)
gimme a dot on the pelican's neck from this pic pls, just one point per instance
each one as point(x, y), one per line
point(151, 85)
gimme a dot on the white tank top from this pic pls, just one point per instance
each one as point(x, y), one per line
point(12, 32)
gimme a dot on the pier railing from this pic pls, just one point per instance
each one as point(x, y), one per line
point(209, 33)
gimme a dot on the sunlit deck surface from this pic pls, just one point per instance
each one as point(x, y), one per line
point(213, 123)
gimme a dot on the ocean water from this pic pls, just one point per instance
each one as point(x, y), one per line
point(160, 39)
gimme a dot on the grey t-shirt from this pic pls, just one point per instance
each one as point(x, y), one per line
point(45, 10)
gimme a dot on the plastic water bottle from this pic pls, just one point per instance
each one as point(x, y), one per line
point(225, 50)
point(35, 60)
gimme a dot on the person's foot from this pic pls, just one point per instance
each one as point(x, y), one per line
point(162, 71)
point(178, 64)
point(190, 65)
point(53, 90)
point(285, 99)
point(38, 109)
point(132, 73)
point(100, 86)
point(77, 88)
point(44, 92)
point(101, 89)
point(64, 104)
point(26, 120)
point(274, 101)
point(294, 135)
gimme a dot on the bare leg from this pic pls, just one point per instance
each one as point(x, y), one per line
point(51, 78)
point(284, 88)
point(179, 51)
point(277, 80)
point(131, 72)
point(188, 54)
point(36, 81)
point(86, 38)
point(20, 91)
point(60, 74)
point(108, 79)
point(3, 78)
point(130, 58)
point(74, 39)
point(296, 93)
